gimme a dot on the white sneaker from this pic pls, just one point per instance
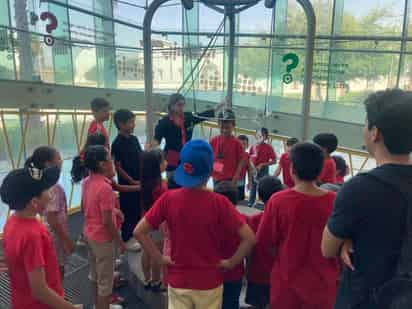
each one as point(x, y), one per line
point(132, 245)
point(112, 306)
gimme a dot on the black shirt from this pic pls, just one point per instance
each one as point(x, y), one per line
point(126, 150)
point(172, 134)
point(372, 214)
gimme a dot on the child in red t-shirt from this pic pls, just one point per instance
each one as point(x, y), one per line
point(28, 248)
point(101, 222)
point(260, 264)
point(198, 222)
point(152, 164)
point(328, 142)
point(284, 163)
point(342, 169)
point(228, 151)
point(232, 278)
point(55, 213)
point(262, 155)
point(292, 227)
point(247, 168)
point(101, 113)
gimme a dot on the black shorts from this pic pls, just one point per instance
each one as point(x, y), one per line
point(257, 295)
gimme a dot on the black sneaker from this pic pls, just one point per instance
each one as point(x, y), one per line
point(157, 287)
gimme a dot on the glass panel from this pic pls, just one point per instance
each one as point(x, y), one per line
point(356, 76)
point(61, 49)
point(84, 4)
point(253, 69)
point(4, 13)
point(126, 36)
point(167, 62)
point(105, 54)
point(168, 17)
point(84, 62)
point(6, 55)
point(36, 134)
point(405, 81)
point(209, 20)
point(130, 12)
point(129, 68)
point(82, 27)
point(257, 19)
point(373, 17)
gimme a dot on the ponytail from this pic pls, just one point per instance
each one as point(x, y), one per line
point(40, 157)
point(79, 170)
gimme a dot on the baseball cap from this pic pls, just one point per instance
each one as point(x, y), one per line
point(21, 185)
point(226, 115)
point(196, 163)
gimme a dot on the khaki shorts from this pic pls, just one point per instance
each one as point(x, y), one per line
point(101, 260)
point(195, 299)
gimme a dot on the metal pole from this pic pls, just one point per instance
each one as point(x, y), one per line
point(231, 54)
point(148, 67)
point(403, 42)
point(307, 82)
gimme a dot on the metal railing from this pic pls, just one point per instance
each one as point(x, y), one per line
point(16, 126)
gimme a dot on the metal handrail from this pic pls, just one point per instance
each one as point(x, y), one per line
point(79, 132)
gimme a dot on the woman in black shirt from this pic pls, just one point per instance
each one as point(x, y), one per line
point(177, 129)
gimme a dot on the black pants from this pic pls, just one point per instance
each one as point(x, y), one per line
point(252, 197)
point(241, 192)
point(130, 206)
point(257, 295)
point(231, 294)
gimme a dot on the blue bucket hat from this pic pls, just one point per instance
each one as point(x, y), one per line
point(196, 164)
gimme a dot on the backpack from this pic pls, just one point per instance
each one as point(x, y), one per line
point(396, 293)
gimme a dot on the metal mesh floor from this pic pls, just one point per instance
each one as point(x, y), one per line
point(75, 282)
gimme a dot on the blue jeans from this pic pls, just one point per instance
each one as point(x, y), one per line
point(252, 197)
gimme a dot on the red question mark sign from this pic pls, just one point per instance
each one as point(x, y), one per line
point(48, 39)
point(53, 21)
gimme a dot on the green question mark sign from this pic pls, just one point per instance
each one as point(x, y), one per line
point(294, 61)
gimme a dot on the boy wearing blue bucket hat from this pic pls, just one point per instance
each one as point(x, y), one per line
point(198, 219)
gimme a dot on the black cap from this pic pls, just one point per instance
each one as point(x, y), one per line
point(21, 185)
point(226, 115)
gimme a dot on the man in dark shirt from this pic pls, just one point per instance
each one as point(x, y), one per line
point(126, 151)
point(367, 225)
point(177, 129)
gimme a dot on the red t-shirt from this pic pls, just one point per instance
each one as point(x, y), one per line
point(285, 164)
point(254, 221)
point(328, 174)
point(157, 192)
point(228, 153)
point(229, 248)
point(245, 166)
point(260, 264)
point(97, 197)
point(262, 153)
point(27, 245)
point(97, 127)
point(340, 179)
point(292, 225)
point(198, 221)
